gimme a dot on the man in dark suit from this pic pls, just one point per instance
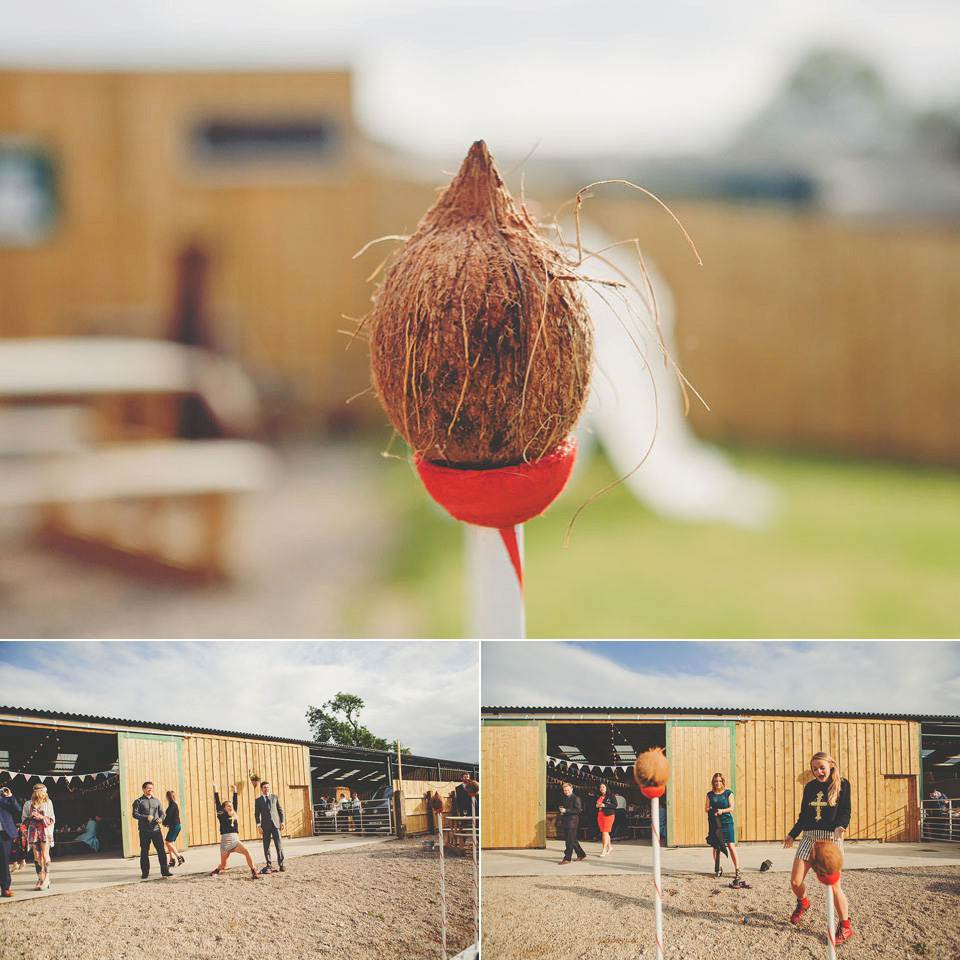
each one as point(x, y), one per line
point(464, 799)
point(570, 810)
point(268, 814)
point(9, 811)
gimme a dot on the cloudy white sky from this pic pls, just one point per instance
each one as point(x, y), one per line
point(895, 677)
point(425, 693)
point(573, 76)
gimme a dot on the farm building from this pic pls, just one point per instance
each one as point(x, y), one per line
point(763, 754)
point(94, 766)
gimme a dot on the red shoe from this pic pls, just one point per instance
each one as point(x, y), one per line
point(7, 893)
point(843, 931)
point(800, 911)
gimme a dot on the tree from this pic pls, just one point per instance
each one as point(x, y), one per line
point(345, 729)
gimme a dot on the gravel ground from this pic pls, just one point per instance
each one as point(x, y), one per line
point(363, 904)
point(894, 912)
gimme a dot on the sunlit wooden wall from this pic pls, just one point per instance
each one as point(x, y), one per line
point(208, 759)
point(416, 811)
point(131, 193)
point(513, 763)
point(880, 758)
point(810, 332)
point(142, 757)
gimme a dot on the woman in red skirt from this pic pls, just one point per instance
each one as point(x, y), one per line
point(606, 810)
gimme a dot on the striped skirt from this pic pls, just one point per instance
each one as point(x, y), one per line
point(809, 838)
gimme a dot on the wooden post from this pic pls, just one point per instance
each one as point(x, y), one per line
point(495, 609)
point(443, 889)
point(401, 817)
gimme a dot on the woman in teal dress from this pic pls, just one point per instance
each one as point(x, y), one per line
point(720, 805)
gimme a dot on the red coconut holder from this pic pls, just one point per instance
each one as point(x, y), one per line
point(500, 497)
point(829, 879)
point(651, 792)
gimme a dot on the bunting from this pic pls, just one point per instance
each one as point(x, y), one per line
point(68, 778)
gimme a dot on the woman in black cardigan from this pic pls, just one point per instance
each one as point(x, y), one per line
point(824, 815)
point(230, 832)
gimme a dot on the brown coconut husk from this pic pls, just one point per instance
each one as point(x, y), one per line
point(480, 342)
point(826, 858)
point(651, 768)
point(436, 802)
point(472, 787)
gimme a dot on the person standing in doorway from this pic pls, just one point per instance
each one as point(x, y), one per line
point(9, 811)
point(40, 817)
point(570, 809)
point(606, 810)
point(148, 813)
point(268, 814)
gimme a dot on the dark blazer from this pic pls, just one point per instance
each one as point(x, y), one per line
point(9, 811)
point(573, 806)
point(268, 808)
point(465, 801)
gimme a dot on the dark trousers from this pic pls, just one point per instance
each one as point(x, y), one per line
point(573, 844)
point(6, 845)
point(156, 838)
point(271, 831)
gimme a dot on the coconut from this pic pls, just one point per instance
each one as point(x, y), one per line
point(651, 768)
point(826, 859)
point(436, 802)
point(472, 787)
point(480, 341)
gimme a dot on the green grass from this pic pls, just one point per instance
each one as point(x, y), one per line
point(858, 550)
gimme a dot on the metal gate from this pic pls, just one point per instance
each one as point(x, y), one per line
point(365, 818)
point(940, 820)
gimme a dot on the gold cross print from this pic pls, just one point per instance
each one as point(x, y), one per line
point(819, 803)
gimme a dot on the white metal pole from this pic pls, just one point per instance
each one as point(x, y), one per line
point(495, 609)
point(476, 874)
point(443, 889)
point(831, 942)
point(658, 898)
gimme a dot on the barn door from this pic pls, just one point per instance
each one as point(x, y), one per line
point(513, 800)
point(155, 758)
point(901, 819)
point(696, 749)
point(299, 818)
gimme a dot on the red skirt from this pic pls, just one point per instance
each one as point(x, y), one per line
point(605, 821)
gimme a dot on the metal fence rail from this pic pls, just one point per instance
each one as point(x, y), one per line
point(940, 820)
point(365, 817)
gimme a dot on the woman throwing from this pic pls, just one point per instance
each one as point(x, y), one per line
point(172, 819)
point(39, 815)
point(230, 832)
point(719, 804)
point(606, 813)
point(824, 815)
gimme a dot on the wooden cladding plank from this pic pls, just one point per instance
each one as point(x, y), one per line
point(512, 814)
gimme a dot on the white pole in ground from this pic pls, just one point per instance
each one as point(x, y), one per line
point(443, 889)
point(658, 899)
point(831, 942)
point(476, 874)
point(495, 609)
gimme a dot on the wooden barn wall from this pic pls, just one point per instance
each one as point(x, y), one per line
point(154, 757)
point(880, 758)
point(281, 239)
point(513, 794)
point(416, 811)
point(208, 759)
point(805, 331)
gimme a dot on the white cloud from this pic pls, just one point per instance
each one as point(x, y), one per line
point(868, 677)
point(425, 693)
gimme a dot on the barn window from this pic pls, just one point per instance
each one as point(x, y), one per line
point(264, 140)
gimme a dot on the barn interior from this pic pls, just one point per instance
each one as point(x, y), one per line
point(80, 770)
point(588, 754)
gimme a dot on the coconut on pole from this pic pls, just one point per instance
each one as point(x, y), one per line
point(481, 353)
point(651, 770)
point(827, 862)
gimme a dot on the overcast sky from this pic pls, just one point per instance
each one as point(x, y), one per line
point(895, 677)
point(425, 693)
point(574, 76)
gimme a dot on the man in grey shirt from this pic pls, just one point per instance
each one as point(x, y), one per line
point(149, 815)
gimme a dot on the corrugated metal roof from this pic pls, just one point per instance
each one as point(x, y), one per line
point(27, 713)
point(666, 712)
